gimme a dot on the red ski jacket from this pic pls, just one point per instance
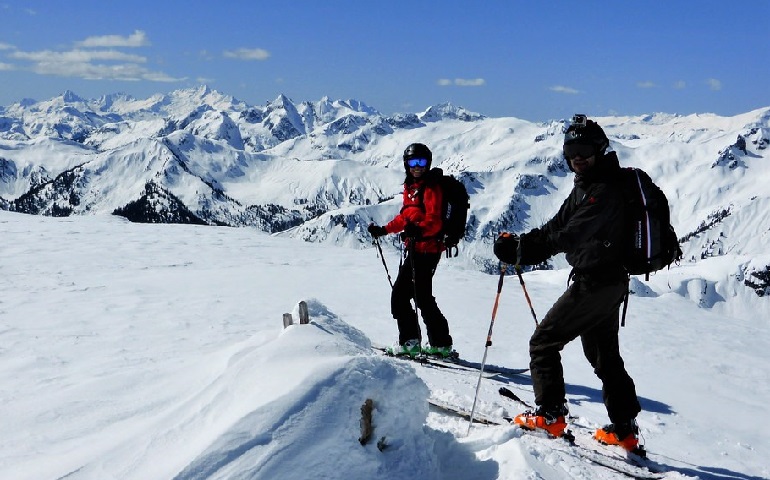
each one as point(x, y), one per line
point(422, 207)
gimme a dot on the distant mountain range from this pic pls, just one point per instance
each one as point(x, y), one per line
point(321, 171)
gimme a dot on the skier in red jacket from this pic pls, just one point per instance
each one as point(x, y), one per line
point(420, 222)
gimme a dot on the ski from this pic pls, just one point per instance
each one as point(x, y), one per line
point(504, 371)
point(510, 395)
point(568, 444)
point(445, 407)
point(427, 361)
point(638, 458)
point(458, 364)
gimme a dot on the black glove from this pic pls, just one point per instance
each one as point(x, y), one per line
point(506, 248)
point(412, 231)
point(377, 231)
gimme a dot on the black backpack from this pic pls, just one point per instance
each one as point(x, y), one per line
point(454, 210)
point(650, 241)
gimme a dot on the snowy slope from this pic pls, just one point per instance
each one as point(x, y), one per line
point(134, 351)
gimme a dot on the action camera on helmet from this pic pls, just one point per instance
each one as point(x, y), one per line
point(579, 120)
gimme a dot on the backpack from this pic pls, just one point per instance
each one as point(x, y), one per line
point(454, 210)
point(650, 241)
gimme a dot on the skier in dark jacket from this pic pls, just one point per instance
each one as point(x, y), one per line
point(588, 228)
point(420, 222)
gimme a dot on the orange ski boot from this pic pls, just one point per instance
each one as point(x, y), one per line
point(625, 434)
point(550, 420)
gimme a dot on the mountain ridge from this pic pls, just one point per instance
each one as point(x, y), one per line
point(321, 171)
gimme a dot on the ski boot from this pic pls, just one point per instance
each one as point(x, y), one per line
point(445, 353)
point(623, 434)
point(551, 420)
point(410, 348)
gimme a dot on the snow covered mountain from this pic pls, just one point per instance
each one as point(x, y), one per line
point(321, 171)
point(140, 351)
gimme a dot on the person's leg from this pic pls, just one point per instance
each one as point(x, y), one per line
point(436, 324)
point(578, 310)
point(401, 306)
point(600, 345)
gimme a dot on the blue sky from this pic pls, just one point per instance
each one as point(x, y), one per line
point(531, 60)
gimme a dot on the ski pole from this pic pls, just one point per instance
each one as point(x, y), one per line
point(526, 294)
point(503, 268)
point(382, 257)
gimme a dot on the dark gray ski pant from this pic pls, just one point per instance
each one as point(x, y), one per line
point(589, 310)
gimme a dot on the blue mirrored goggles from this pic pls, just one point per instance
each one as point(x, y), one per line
point(417, 162)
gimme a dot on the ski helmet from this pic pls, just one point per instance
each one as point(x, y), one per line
point(584, 132)
point(418, 150)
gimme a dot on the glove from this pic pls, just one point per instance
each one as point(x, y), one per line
point(506, 248)
point(377, 231)
point(412, 231)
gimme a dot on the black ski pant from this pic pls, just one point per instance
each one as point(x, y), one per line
point(404, 290)
point(588, 310)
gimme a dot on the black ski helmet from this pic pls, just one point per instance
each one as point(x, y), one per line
point(583, 137)
point(418, 150)
point(586, 132)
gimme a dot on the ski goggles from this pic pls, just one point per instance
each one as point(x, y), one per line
point(417, 162)
point(577, 150)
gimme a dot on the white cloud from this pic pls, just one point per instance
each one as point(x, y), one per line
point(78, 56)
point(96, 58)
point(90, 71)
point(205, 55)
point(136, 39)
point(681, 84)
point(563, 89)
point(6, 46)
point(161, 77)
point(5, 67)
point(461, 82)
point(646, 84)
point(247, 54)
point(470, 82)
point(714, 84)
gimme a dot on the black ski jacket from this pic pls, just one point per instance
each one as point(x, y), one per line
point(588, 227)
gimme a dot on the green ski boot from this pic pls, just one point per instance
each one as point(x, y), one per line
point(410, 348)
point(440, 352)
